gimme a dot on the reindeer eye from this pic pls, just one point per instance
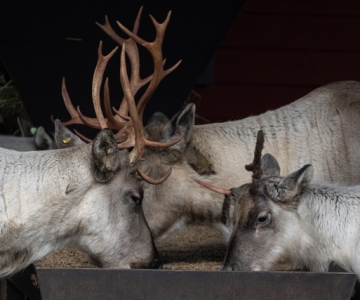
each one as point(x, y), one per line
point(264, 219)
point(137, 200)
point(134, 198)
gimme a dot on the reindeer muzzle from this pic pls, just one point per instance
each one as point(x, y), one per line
point(155, 264)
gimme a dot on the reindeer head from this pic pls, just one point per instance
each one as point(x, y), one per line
point(113, 231)
point(265, 220)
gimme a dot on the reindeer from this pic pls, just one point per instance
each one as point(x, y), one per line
point(321, 127)
point(88, 195)
point(291, 219)
point(28, 141)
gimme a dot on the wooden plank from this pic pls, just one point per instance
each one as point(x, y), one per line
point(237, 66)
point(163, 284)
point(294, 32)
point(231, 102)
point(320, 7)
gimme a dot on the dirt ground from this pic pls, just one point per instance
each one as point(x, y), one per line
point(197, 248)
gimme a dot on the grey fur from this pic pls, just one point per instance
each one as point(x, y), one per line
point(289, 219)
point(64, 138)
point(50, 199)
point(322, 128)
point(41, 140)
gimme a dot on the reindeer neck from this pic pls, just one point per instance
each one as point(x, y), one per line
point(39, 189)
point(330, 213)
point(294, 134)
point(31, 180)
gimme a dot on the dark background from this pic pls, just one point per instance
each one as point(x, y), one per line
point(42, 41)
point(270, 54)
point(277, 51)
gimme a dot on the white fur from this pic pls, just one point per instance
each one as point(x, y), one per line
point(49, 199)
point(321, 128)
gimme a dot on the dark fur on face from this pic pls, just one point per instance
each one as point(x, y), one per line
point(235, 194)
point(106, 158)
point(160, 128)
point(255, 166)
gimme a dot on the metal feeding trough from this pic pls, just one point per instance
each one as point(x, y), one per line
point(57, 283)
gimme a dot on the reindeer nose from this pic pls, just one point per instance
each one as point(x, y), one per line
point(155, 264)
point(157, 261)
point(232, 267)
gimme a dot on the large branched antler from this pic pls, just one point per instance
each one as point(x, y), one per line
point(135, 134)
point(138, 140)
point(133, 54)
point(155, 49)
point(130, 129)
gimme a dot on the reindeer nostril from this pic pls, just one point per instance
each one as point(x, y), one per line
point(155, 264)
point(235, 267)
point(137, 200)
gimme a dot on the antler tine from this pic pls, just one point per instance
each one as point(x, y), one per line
point(76, 116)
point(132, 51)
point(91, 122)
point(112, 34)
point(151, 180)
point(96, 83)
point(84, 138)
point(155, 48)
point(213, 188)
point(112, 123)
point(226, 204)
point(255, 166)
point(75, 119)
point(139, 141)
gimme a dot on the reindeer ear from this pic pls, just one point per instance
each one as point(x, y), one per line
point(269, 165)
point(25, 127)
point(105, 156)
point(293, 185)
point(155, 126)
point(235, 195)
point(64, 138)
point(157, 118)
point(43, 140)
point(181, 124)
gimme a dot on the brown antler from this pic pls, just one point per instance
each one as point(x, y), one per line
point(213, 188)
point(155, 49)
point(255, 166)
point(140, 141)
point(96, 84)
point(226, 203)
point(151, 180)
point(76, 116)
point(75, 119)
point(135, 133)
point(133, 53)
point(130, 130)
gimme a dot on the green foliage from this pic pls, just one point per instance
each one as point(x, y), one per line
point(10, 102)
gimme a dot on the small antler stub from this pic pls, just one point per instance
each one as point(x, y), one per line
point(255, 166)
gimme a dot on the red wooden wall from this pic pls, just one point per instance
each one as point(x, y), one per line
point(279, 50)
